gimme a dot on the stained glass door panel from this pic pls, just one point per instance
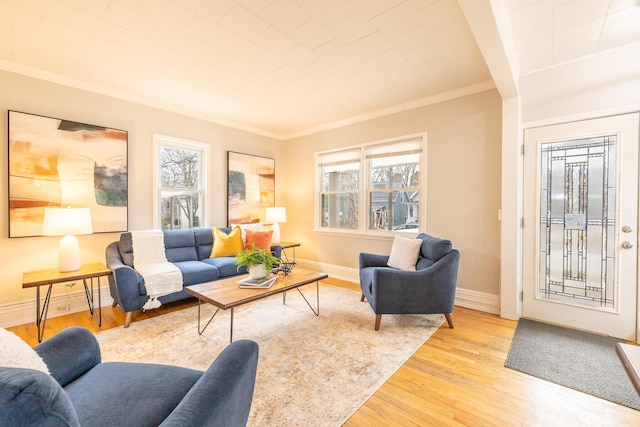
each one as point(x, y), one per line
point(577, 222)
point(580, 225)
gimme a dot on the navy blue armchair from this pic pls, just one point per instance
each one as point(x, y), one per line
point(431, 289)
point(82, 391)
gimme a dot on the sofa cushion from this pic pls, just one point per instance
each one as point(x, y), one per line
point(226, 244)
point(194, 272)
point(262, 239)
point(32, 398)
point(226, 266)
point(180, 245)
point(142, 397)
point(404, 253)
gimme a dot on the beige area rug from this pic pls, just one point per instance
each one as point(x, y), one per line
point(312, 371)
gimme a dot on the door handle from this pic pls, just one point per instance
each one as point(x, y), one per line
point(627, 245)
point(626, 229)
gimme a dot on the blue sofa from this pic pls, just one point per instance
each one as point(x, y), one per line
point(188, 249)
point(82, 391)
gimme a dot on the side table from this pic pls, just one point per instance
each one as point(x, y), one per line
point(52, 276)
point(289, 245)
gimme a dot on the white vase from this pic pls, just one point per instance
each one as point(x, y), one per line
point(257, 272)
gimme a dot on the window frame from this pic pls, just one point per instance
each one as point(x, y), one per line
point(346, 156)
point(365, 189)
point(164, 141)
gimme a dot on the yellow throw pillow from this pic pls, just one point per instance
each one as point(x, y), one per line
point(226, 244)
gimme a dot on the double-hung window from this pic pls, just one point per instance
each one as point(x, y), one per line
point(393, 186)
point(340, 175)
point(372, 187)
point(180, 196)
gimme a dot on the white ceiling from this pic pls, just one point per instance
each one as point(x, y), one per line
point(286, 67)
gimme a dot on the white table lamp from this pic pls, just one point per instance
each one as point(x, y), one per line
point(276, 215)
point(67, 222)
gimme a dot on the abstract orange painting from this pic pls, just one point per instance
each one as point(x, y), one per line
point(56, 162)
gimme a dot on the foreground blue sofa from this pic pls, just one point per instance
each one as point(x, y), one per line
point(188, 249)
point(82, 391)
point(430, 289)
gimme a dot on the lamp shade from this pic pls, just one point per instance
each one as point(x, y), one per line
point(66, 221)
point(276, 215)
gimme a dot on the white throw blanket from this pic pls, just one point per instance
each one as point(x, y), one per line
point(160, 276)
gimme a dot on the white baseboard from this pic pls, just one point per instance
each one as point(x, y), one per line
point(20, 313)
point(23, 312)
point(466, 298)
point(476, 300)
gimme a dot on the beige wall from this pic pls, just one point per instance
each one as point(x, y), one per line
point(463, 189)
point(463, 164)
point(38, 97)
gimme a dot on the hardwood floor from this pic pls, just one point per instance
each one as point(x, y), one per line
point(457, 378)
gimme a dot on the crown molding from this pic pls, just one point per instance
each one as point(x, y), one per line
point(106, 91)
point(398, 108)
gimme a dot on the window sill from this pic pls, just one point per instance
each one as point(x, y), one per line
point(375, 235)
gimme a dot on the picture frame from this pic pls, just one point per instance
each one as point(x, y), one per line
point(250, 187)
point(56, 162)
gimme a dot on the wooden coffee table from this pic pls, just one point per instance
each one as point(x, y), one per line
point(226, 294)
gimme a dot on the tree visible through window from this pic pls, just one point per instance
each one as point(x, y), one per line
point(181, 192)
point(394, 185)
point(340, 174)
point(390, 198)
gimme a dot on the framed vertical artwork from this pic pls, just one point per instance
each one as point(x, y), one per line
point(251, 182)
point(55, 162)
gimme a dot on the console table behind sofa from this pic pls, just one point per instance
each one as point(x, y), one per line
point(188, 249)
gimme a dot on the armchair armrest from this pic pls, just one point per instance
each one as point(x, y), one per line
point(123, 283)
point(223, 395)
point(70, 353)
point(373, 260)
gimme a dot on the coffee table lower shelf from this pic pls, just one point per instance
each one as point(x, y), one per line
point(225, 294)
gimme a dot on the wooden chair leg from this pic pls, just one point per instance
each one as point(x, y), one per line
point(127, 318)
point(449, 321)
point(361, 297)
point(114, 303)
point(378, 317)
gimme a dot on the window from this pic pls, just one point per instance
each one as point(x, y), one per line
point(340, 174)
point(180, 183)
point(388, 198)
point(394, 185)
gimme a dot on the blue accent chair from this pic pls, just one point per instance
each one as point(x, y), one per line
point(82, 391)
point(431, 289)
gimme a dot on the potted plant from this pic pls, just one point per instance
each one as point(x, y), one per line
point(259, 262)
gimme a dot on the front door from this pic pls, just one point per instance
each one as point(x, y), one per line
point(581, 225)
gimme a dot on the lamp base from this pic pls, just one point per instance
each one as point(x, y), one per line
point(275, 236)
point(69, 255)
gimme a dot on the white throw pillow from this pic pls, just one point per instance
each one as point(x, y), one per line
point(404, 253)
point(16, 353)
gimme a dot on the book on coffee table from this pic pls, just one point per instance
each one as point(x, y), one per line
point(263, 283)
